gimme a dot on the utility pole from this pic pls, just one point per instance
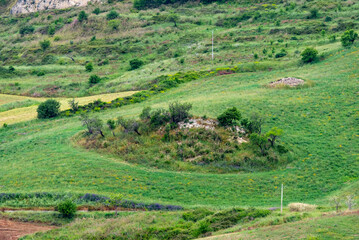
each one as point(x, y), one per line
point(212, 46)
point(281, 200)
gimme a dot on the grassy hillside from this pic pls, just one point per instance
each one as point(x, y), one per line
point(263, 40)
point(320, 125)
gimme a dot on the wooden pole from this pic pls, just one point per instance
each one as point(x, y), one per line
point(281, 200)
point(212, 46)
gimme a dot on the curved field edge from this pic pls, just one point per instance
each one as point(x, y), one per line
point(319, 121)
point(325, 227)
point(29, 113)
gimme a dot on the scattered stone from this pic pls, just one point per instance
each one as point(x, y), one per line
point(292, 82)
point(199, 123)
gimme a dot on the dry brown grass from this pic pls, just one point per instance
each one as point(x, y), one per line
point(301, 207)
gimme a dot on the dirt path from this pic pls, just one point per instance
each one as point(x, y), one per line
point(10, 230)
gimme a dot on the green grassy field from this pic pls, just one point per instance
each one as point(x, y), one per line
point(320, 120)
point(319, 124)
point(327, 227)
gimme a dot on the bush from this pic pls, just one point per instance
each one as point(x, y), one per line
point(309, 55)
point(229, 117)
point(179, 111)
point(96, 11)
point(26, 30)
point(313, 13)
point(82, 16)
point(94, 79)
point(89, 67)
point(348, 38)
point(67, 208)
point(135, 63)
point(159, 117)
point(48, 109)
point(112, 15)
point(45, 44)
point(301, 207)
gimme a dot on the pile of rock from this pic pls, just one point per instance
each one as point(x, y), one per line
point(290, 81)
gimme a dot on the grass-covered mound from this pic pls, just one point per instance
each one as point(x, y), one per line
point(174, 140)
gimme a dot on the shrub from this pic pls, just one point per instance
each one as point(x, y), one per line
point(348, 38)
point(197, 214)
point(67, 208)
point(11, 69)
point(112, 15)
point(74, 105)
point(96, 11)
point(89, 67)
point(48, 109)
point(146, 113)
point(82, 16)
point(159, 117)
point(280, 54)
point(313, 13)
point(51, 30)
point(301, 207)
point(94, 79)
point(309, 55)
point(114, 24)
point(45, 44)
point(135, 63)
point(4, 125)
point(179, 111)
point(26, 30)
point(229, 117)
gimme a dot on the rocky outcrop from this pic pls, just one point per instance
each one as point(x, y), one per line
point(28, 6)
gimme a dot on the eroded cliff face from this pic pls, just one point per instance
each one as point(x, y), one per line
point(28, 6)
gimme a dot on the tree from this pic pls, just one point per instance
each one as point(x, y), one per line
point(179, 111)
point(112, 15)
point(93, 125)
point(74, 105)
point(115, 201)
point(89, 67)
point(111, 125)
point(135, 63)
point(350, 201)
point(45, 44)
point(129, 125)
point(273, 135)
point(348, 38)
point(48, 109)
point(337, 201)
point(309, 55)
point(173, 18)
point(260, 141)
point(229, 117)
point(82, 16)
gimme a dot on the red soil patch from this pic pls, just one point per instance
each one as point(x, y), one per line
point(11, 230)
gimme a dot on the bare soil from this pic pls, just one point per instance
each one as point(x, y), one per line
point(11, 230)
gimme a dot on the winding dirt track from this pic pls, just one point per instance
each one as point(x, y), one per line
point(11, 230)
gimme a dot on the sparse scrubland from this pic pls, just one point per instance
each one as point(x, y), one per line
point(147, 122)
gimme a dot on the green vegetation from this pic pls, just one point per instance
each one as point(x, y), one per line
point(132, 145)
point(309, 55)
point(67, 208)
point(48, 109)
